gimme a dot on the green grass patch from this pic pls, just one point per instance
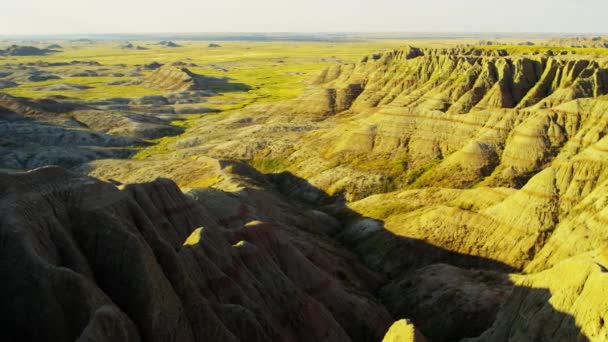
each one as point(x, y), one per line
point(269, 165)
point(99, 89)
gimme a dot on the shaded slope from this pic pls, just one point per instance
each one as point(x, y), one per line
point(43, 132)
point(148, 263)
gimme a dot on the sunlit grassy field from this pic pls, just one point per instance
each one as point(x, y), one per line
point(272, 70)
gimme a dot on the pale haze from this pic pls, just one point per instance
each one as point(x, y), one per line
point(154, 16)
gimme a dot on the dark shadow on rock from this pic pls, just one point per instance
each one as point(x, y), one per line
point(444, 313)
point(145, 261)
point(412, 253)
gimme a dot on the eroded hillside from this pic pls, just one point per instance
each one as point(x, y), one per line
point(84, 260)
point(419, 118)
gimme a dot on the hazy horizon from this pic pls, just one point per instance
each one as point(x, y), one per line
point(72, 17)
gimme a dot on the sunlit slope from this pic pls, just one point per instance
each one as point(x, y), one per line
point(413, 118)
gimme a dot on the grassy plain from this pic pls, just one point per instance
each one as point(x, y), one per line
point(272, 70)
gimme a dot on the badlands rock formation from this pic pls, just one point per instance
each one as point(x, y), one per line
point(36, 133)
point(17, 50)
point(68, 131)
point(84, 260)
point(173, 77)
point(580, 42)
point(458, 192)
point(452, 118)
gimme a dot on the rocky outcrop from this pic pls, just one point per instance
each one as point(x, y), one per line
point(173, 77)
point(169, 43)
point(38, 132)
point(24, 107)
point(63, 87)
point(7, 84)
point(68, 133)
point(85, 260)
point(439, 115)
point(457, 81)
point(16, 50)
point(130, 46)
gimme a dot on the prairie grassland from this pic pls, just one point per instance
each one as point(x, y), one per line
point(272, 70)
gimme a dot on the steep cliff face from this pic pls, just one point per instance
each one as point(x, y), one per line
point(533, 124)
point(458, 81)
point(452, 119)
point(85, 260)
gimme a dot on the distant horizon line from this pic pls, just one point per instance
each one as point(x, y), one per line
point(270, 34)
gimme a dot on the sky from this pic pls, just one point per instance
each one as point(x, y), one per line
point(24, 17)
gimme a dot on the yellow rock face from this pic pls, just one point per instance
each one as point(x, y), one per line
point(194, 237)
point(403, 331)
